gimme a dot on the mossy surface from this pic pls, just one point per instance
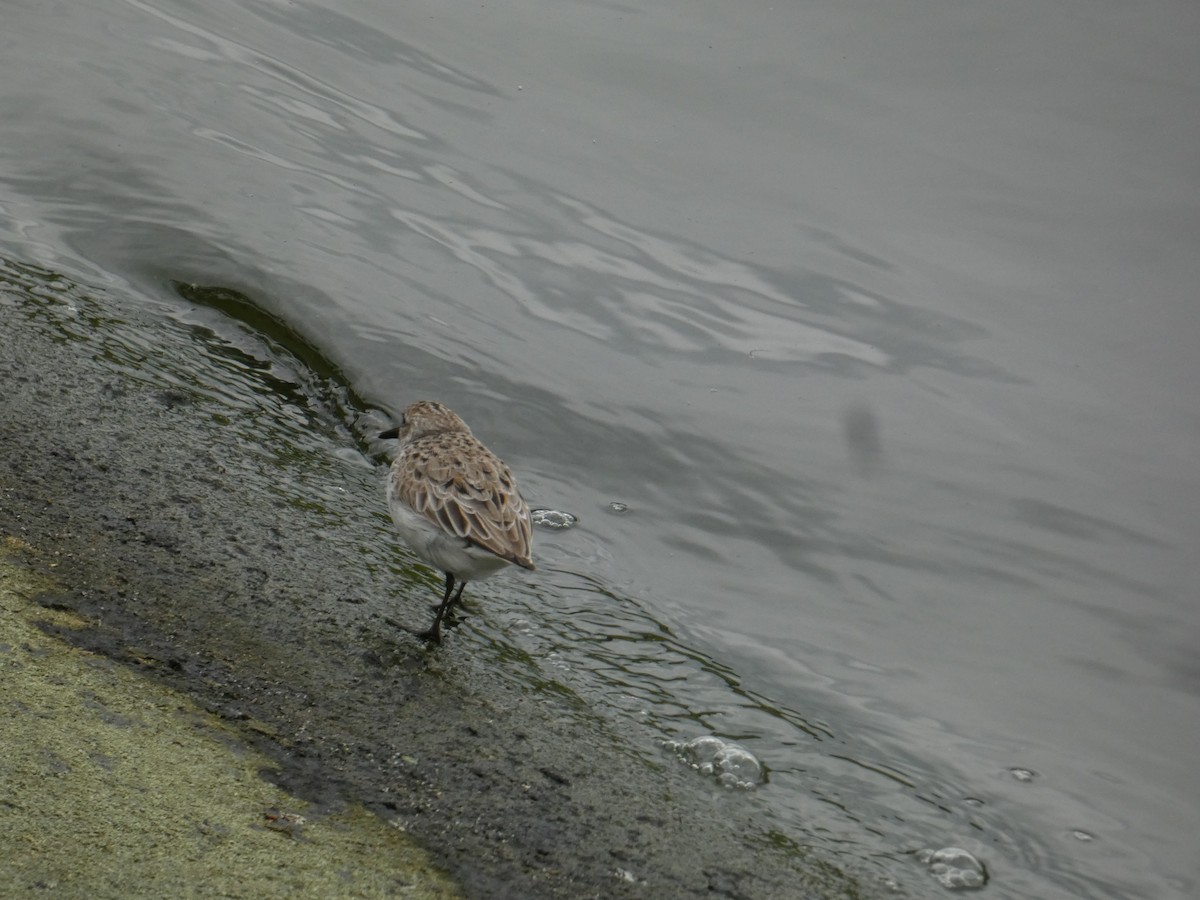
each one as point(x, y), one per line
point(112, 785)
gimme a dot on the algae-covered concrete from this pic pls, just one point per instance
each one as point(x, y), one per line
point(116, 786)
point(211, 512)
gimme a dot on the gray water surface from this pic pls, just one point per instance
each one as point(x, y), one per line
point(880, 319)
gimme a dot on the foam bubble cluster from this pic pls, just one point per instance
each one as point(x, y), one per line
point(954, 868)
point(731, 764)
point(552, 518)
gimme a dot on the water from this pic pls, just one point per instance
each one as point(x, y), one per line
point(858, 340)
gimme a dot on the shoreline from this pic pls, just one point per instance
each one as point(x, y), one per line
point(137, 478)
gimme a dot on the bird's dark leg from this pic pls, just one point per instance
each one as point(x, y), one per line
point(449, 598)
point(457, 598)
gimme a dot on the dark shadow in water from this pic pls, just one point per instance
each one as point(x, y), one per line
point(1073, 524)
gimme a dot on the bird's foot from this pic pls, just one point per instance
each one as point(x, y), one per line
point(430, 635)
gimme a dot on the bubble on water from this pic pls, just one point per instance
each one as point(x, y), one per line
point(973, 802)
point(625, 875)
point(1022, 774)
point(1080, 835)
point(618, 508)
point(954, 868)
point(553, 518)
point(731, 764)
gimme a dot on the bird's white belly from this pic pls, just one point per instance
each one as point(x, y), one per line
point(443, 551)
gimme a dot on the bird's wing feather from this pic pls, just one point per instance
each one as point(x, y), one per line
point(468, 493)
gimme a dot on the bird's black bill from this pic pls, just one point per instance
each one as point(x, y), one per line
point(391, 434)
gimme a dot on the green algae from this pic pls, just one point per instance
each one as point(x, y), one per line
point(112, 785)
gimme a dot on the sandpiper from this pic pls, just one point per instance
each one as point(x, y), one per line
point(454, 502)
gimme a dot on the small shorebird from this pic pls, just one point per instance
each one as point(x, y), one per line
point(454, 502)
